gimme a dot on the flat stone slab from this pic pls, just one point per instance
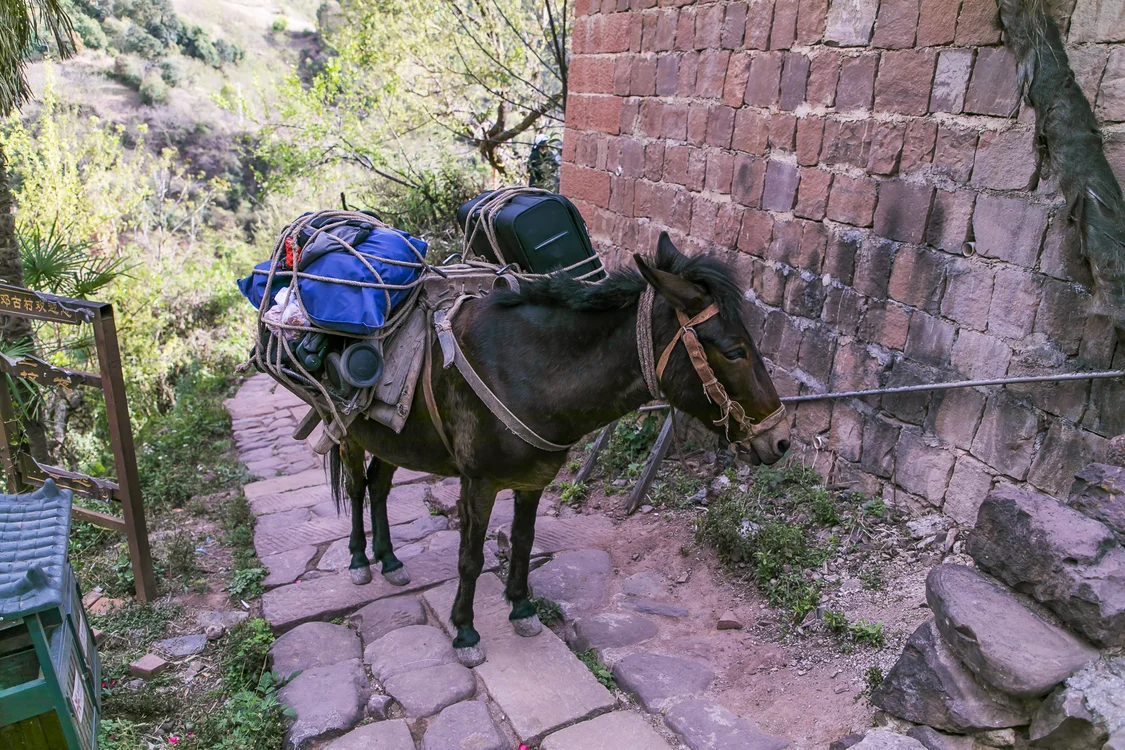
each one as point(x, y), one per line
point(278, 522)
point(645, 585)
point(656, 679)
point(185, 645)
point(314, 644)
point(539, 684)
point(554, 535)
point(337, 557)
point(654, 607)
point(334, 595)
point(576, 581)
point(277, 502)
point(620, 730)
point(326, 700)
point(418, 529)
point(883, 739)
point(408, 649)
point(705, 725)
point(286, 567)
point(409, 476)
point(379, 618)
point(224, 619)
point(310, 478)
point(424, 692)
point(464, 726)
point(382, 735)
point(997, 637)
point(611, 630)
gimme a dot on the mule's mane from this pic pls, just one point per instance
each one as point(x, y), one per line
point(622, 288)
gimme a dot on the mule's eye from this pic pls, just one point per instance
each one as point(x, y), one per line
point(736, 353)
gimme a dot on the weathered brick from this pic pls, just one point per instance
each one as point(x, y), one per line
point(993, 89)
point(896, 25)
point(897, 87)
point(824, 72)
point(818, 347)
point(855, 368)
point(782, 339)
point(664, 37)
point(980, 356)
point(955, 414)
point(1061, 305)
point(886, 147)
point(734, 26)
point(704, 213)
point(1006, 160)
point(642, 81)
point(650, 118)
point(847, 142)
point(811, 17)
point(712, 73)
point(1062, 254)
point(783, 132)
point(1009, 229)
point(698, 114)
point(918, 145)
point(1111, 97)
point(786, 245)
point(768, 282)
point(968, 293)
point(780, 190)
point(751, 132)
point(749, 179)
point(685, 29)
point(902, 210)
point(1064, 453)
point(978, 23)
point(849, 22)
point(955, 153)
point(950, 217)
point(851, 476)
point(873, 267)
point(585, 184)
point(667, 75)
point(621, 193)
point(842, 309)
point(683, 167)
point(812, 195)
point(852, 200)
point(951, 80)
point(1005, 439)
point(595, 112)
point(630, 114)
point(810, 132)
point(794, 78)
point(856, 86)
point(765, 80)
point(784, 30)
point(738, 73)
point(878, 450)
point(759, 19)
point(923, 469)
point(846, 433)
point(720, 126)
point(937, 20)
point(709, 25)
point(1015, 299)
point(918, 277)
point(970, 483)
point(886, 323)
point(814, 241)
point(757, 229)
point(689, 69)
point(654, 160)
point(631, 159)
point(622, 74)
point(908, 407)
point(842, 249)
point(727, 225)
point(591, 75)
point(929, 339)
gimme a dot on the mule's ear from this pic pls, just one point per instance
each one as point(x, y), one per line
point(666, 252)
point(680, 293)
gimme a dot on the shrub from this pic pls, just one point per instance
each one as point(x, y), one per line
point(170, 73)
point(128, 71)
point(153, 91)
point(280, 24)
point(245, 651)
point(139, 42)
point(196, 42)
point(229, 52)
point(90, 32)
point(250, 718)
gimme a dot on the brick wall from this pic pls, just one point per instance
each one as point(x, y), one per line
point(868, 168)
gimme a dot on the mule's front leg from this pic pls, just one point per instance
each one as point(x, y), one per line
point(355, 484)
point(474, 506)
point(523, 616)
point(379, 476)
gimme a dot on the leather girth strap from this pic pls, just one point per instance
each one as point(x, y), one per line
point(451, 351)
point(428, 385)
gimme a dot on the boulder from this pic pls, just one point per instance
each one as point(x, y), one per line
point(655, 679)
point(576, 581)
point(1115, 453)
point(882, 739)
point(928, 685)
point(1099, 492)
point(1087, 712)
point(327, 700)
point(999, 639)
point(314, 644)
point(1070, 563)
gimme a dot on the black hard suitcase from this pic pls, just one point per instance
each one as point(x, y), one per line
point(539, 233)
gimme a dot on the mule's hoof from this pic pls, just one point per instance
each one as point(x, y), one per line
point(360, 576)
point(397, 577)
point(470, 656)
point(528, 626)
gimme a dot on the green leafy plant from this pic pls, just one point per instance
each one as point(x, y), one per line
point(120, 734)
point(598, 668)
point(573, 493)
point(872, 679)
point(246, 583)
point(252, 717)
point(548, 611)
point(143, 623)
point(245, 651)
point(280, 24)
point(835, 621)
point(869, 633)
point(872, 577)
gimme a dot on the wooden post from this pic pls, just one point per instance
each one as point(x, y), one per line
point(592, 459)
point(9, 439)
point(659, 450)
point(124, 452)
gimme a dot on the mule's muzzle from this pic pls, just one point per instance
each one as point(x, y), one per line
point(767, 446)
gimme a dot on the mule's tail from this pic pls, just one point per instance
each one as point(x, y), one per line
point(336, 477)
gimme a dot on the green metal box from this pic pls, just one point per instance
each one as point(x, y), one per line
point(50, 678)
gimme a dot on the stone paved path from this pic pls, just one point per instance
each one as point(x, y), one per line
point(529, 690)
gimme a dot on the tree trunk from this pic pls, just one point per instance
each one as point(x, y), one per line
point(14, 329)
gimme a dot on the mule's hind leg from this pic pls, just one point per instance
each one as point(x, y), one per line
point(474, 507)
point(355, 485)
point(523, 616)
point(379, 476)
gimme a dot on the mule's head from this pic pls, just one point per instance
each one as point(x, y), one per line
point(690, 286)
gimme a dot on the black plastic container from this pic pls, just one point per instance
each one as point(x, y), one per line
point(539, 233)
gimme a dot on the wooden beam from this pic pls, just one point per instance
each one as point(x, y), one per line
point(659, 450)
point(592, 459)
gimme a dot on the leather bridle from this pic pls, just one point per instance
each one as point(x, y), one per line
point(728, 408)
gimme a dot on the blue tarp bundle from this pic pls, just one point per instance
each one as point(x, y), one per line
point(342, 307)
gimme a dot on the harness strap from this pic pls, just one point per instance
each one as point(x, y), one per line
point(428, 386)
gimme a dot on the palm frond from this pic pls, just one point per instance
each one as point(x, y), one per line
point(25, 24)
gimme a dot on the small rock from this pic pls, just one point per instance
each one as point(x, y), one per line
point(700, 497)
point(932, 739)
point(928, 526)
point(610, 630)
point(705, 725)
point(148, 666)
point(407, 649)
point(424, 692)
point(729, 622)
point(379, 706)
point(851, 585)
point(384, 615)
point(646, 509)
point(881, 739)
point(997, 738)
point(193, 670)
point(655, 679)
point(652, 607)
point(225, 619)
point(719, 484)
point(618, 483)
point(1099, 492)
point(186, 645)
point(464, 725)
point(1085, 711)
point(313, 644)
point(135, 684)
point(214, 632)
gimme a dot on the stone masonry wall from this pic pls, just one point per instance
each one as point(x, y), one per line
point(870, 170)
